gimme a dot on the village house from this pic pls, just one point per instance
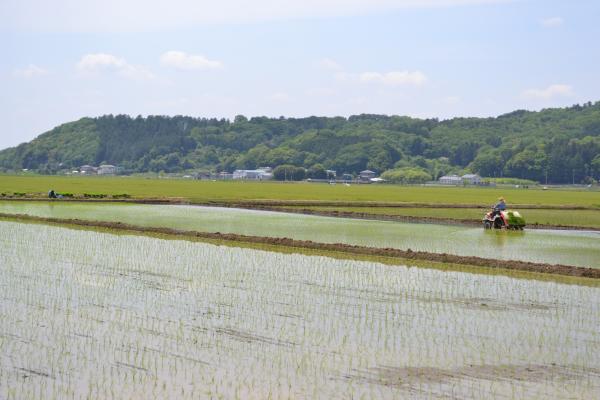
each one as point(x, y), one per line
point(451, 180)
point(225, 176)
point(107, 169)
point(366, 176)
point(88, 170)
point(202, 175)
point(252, 174)
point(472, 179)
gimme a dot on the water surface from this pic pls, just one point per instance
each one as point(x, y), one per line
point(85, 314)
point(577, 248)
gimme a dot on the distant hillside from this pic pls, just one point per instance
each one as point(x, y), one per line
point(562, 144)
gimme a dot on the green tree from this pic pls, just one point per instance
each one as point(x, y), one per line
point(407, 175)
point(289, 173)
point(559, 143)
point(595, 167)
point(488, 163)
point(317, 171)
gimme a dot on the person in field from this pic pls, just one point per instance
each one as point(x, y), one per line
point(500, 206)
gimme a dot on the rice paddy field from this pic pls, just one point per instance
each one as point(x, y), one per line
point(86, 314)
point(575, 248)
point(578, 218)
point(100, 314)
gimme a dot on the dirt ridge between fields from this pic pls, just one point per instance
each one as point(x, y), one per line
point(322, 203)
point(409, 254)
point(298, 203)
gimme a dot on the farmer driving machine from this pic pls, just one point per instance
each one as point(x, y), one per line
point(503, 219)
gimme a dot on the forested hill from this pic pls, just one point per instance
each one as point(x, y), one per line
point(562, 144)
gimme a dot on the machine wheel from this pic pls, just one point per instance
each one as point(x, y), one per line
point(487, 224)
point(498, 223)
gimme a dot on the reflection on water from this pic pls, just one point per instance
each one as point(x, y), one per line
point(554, 247)
point(500, 237)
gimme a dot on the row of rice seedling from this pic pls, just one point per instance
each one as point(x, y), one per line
point(553, 247)
point(85, 314)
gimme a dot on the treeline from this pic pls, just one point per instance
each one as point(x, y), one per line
point(553, 145)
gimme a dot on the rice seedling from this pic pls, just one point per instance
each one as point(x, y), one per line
point(85, 314)
point(553, 247)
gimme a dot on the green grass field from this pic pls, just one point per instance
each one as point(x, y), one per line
point(202, 191)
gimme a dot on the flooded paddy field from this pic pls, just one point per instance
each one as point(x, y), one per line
point(576, 248)
point(573, 219)
point(89, 314)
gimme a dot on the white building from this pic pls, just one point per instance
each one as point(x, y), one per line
point(366, 175)
point(225, 176)
point(252, 174)
point(107, 170)
point(472, 179)
point(87, 170)
point(451, 180)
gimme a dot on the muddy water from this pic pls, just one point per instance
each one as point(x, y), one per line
point(94, 315)
point(577, 248)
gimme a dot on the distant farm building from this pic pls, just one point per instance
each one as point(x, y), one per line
point(252, 174)
point(203, 175)
point(472, 179)
point(88, 170)
point(225, 176)
point(451, 180)
point(107, 170)
point(366, 176)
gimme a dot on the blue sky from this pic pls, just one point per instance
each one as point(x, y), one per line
point(66, 59)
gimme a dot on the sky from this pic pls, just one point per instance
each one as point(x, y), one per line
point(66, 59)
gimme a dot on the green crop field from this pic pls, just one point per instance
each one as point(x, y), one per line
point(200, 191)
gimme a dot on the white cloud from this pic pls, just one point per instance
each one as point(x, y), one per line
point(93, 63)
point(181, 60)
point(552, 91)
point(31, 71)
point(100, 60)
point(116, 15)
point(552, 22)
point(329, 64)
